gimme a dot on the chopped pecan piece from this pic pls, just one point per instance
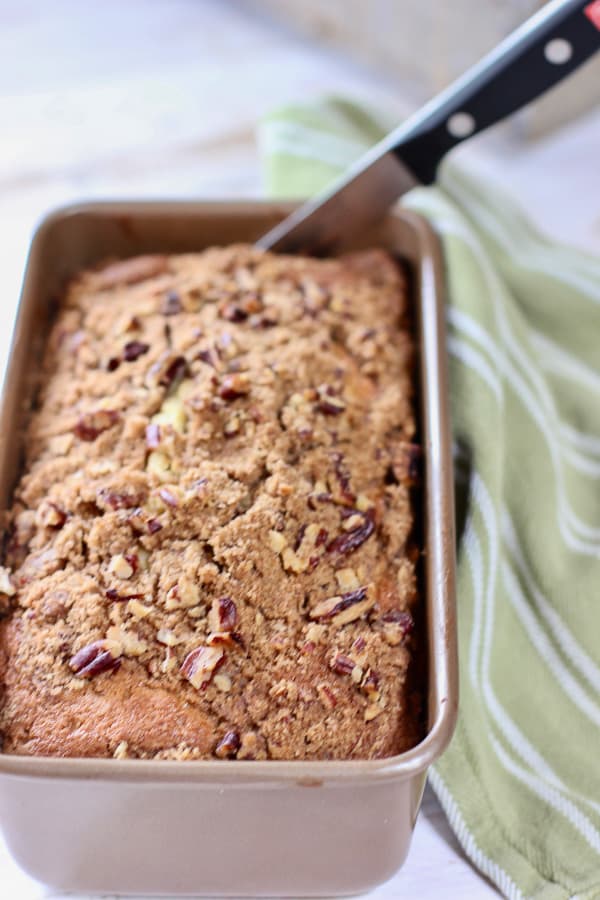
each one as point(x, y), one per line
point(363, 504)
point(267, 319)
point(239, 310)
point(352, 522)
point(55, 606)
point(357, 674)
point(133, 560)
point(326, 696)
point(348, 542)
point(368, 333)
point(129, 643)
point(299, 537)
point(401, 617)
point(6, 585)
point(223, 615)
point(406, 464)
point(122, 566)
point(134, 349)
point(131, 323)
point(121, 750)
point(113, 595)
point(168, 496)
point(174, 372)
point(347, 495)
point(163, 464)
point(171, 304)
point(342, 665)
point(225, 346)
point(228, 746)
point(200, 664)
point(321, 537)
point(167, 370)
point(233, 312)
point(292, 562)
point(347, 580)
point(223, 682)
point(397, 625)
point(154, 525)
point(234, 386)
point(328, 403)
point(139, 610)
point(329, 608)
point(140, 524)
point(52, 516)
point(209, 356)
point(321, 497)
point(152, 436)
point(370, 684)
point(372, 711)
point(232, 426)
point(183, 595)
point(353, 612)
point(167, 637)
point(117, 500)
point(277, 541)
point(225, 639)
point(315, 633)
point(100, 656)
point(91, 424)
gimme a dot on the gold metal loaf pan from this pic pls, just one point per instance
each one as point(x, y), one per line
point(230, 828)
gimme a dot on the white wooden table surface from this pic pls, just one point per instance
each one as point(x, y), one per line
point(151, 98)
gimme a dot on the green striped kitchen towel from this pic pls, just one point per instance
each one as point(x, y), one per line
point(520, 782)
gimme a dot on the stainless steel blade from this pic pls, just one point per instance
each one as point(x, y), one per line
point(362, 196)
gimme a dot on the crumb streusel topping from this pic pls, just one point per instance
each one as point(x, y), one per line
point(209, 550)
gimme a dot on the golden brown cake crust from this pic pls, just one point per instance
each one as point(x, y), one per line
point(209, 550)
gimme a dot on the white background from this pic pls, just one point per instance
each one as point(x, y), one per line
point(157, 98)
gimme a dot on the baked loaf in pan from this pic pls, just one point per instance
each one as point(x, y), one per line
point(210, 552)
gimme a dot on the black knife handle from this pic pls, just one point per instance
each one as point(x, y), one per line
point(540, 53)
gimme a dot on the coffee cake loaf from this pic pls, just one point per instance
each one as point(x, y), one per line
point(210, 552)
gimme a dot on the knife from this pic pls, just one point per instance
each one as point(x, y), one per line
point(540, 53)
